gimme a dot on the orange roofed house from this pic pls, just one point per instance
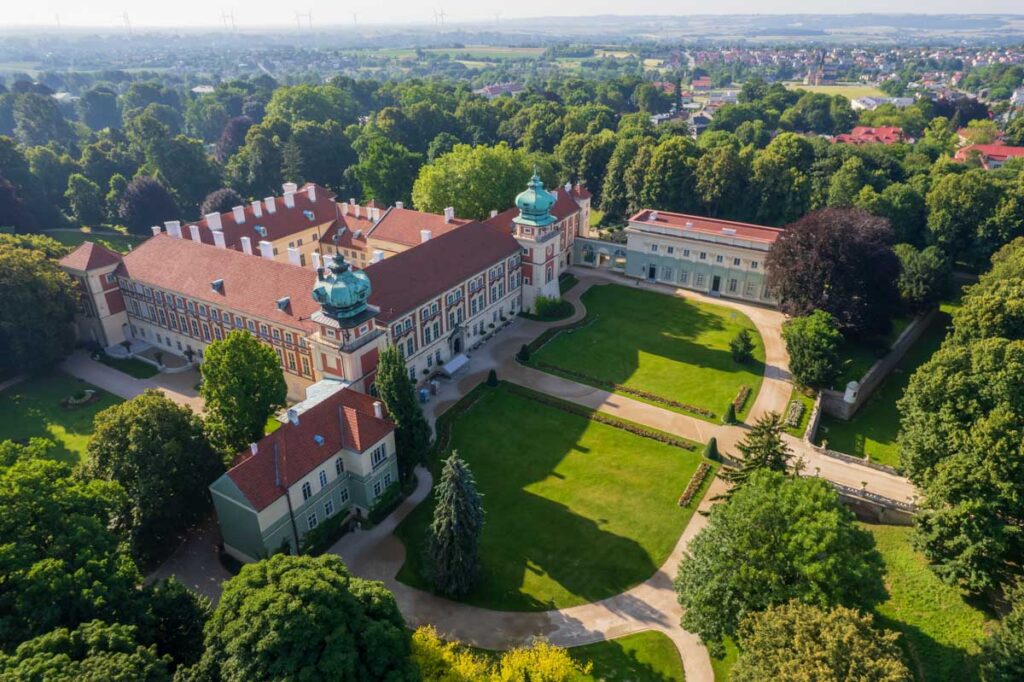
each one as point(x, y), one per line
point(869, 135)
point(989, 155)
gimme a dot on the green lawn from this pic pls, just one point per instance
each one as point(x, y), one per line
point(849, 90)
point(32, 408)
point(130, 366)
point(873, 430)
point(273, 424)
point(576, 510)
point(723, 666)
point(858, 355)
point(112, 240)
point(940, 630)
point(668, 346)
point(648, 656)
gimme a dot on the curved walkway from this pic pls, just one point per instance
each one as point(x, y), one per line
point(651, 605)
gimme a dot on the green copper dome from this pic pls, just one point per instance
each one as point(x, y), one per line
point(341, 291)
point(535, 204)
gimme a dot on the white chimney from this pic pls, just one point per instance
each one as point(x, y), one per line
point(290, 188)
point(355, 210)
point(376, 214)
point(289, 199)
point(194, 231)
point(266, 250)
point(294, 257)
point(269, 203)
point(254, 448)
point(344, 209)
point(352, 201)
point(311, 192)
point(568, 187)
point(425, 236)
point(246, 245)
point(494, 212)
point(239, 212)
point(399, 204)
point(316, 260)
point(293, 416)
point(218, 239)
point(257, 208)
point(378, 256)
point(213, 221)
point(449, 214)
point(652, 216)
point(173, 228)
point(378, 409)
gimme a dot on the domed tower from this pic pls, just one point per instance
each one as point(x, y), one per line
point(347, 340)
point(341, 292)
point(537, 233)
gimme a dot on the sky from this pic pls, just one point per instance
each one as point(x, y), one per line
point(263, 13)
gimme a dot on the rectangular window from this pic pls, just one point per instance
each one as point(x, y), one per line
point(311, 521)
point(748, 289)
point(379, 455)
point(686, 253)
point(323, 478)
point(408, 347)
point(684, 277)
point(736, 262)
point(328, 507)
point(718, 259)
point(703, 255)
point(307, 491)
point(732, 286)
point(387, 479)
point(667, 274)
point(654, 248)
point(305, 365)
point(376, 489)
point(753, 265)
point(344, 495)
point(671, 249)
point(195, 329)
point(698, 280)
point(339, 466)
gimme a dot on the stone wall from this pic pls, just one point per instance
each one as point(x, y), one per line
point(833, 403)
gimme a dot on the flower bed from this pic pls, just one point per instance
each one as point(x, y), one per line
point(794, 413)
point(741, 398)
point(80, 399)
point(621, 388)
point(696, 481)
point(600, 418)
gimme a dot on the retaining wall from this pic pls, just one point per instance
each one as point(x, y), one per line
point(832, 402)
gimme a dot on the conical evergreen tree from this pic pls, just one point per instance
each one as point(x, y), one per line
point(396, 391)
point(761, 448)
point(454, 538)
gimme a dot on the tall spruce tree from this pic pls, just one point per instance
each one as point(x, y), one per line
point(761, 448)
point(454, 539)
point(396, 391)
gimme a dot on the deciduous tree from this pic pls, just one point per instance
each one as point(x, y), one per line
point(242, 386)
point(797, 542)
point(813, 342)
point(144, 203)
point(797, 642)
point(158, 452)
point(397, 392)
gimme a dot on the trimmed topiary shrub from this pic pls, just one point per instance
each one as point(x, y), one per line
point(524, 354)
point(492, 378)
point(711, 450)
point(730, 414)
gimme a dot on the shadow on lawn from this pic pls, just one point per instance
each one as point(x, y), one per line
point(929, 660)
point(614, 663)
point(541, 521)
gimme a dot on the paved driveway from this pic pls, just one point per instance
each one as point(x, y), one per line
point(178, 387)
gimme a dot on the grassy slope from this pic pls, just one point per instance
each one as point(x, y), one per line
point(576, 511)
point(940, 630)
point(115, 241)
point(647, 656)
point(669, 346)
point(858, 355)
point(872, 432)
point(32, 408)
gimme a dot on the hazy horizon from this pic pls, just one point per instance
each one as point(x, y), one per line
point(263, 14)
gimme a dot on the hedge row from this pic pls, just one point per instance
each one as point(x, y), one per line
point(741, 398)
point(581, 411)
point(621, 388)
point(696, 481)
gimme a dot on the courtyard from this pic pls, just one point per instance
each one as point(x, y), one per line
point(32, 409)
point(576, 510)
point(659, 348)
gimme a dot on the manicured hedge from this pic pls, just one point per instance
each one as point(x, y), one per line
point(695, 483)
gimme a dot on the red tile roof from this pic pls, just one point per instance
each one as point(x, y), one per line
point(868, 135)
point(281, 223)
point(711, 226)
point(344, 420)
point(995, 152)
point(252, 285)
point(348, 226)
point(564, 207)
point(403, 225)
point(89, 256)
point(408, 279)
